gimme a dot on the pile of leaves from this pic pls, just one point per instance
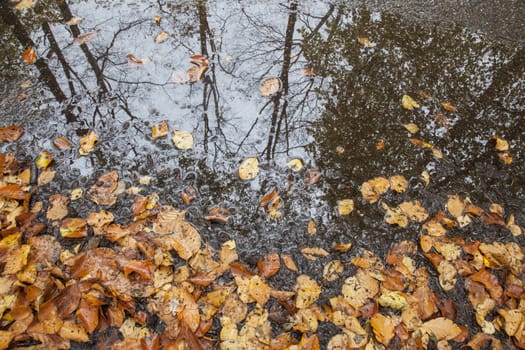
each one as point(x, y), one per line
point(158, 285)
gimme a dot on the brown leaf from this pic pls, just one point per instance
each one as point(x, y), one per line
point(289, 263)
point(72, 331)
point(307, 291)
point(87, 143)
point(29, 55)
point(441, 328)
point(218, 214)
point(88, 316)
point(143, 268)
point(383, 328)
point(313, 176)
point(187, 241)
point(73, 228)
point(13, 192)
point(448, 106)
point(106, 190)
point(269, 265)
point(10, 133)
point(57, 207)
point(490, 281)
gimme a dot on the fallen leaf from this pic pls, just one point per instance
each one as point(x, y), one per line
point(411, 127)
point(62, 143)
point(159, 130)
point(441, 328)
point(218, 214)
point(420, 143)
point(307, 291)
point(364, 42)
point(74, 21)
point(270, 86)
point(506, 157)
point(76, 193)
point(372, 189)
point(345, 207)
point(84, 38)
point(332, 270)
point(501, 144)
point(57, 207)
point(394, 300)
point(43, 159)
point(161, 37)
point(425, 176)
point(187, 240)
point(289, 263)
point(380, 145)
point(10, 133)
point(383, 328)
point(269, 265)
point(24, 4)
point(249, 168)
point(183, 140)
point(313, 176)
point(87, 143)
point(271, 201)
point(342, 247)
point(73, 228)
point(295, 165)
point(136, 60)
point(72, 331)
point(106, 190)
point(157, 19)
point(398, 183)
point(312, 228)
point(313, 253)
point(448, 106)
point(409, 103)
point(46, 177)
point(455, 206)
point(414, 211)
point(29, 56)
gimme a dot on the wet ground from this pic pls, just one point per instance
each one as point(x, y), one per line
point(468, 53)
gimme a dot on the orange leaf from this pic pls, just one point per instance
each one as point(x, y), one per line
point(73, 228)
point(313, 176)
point(88, 316)
point(29, 55)
point(10, 133)
point(383, 328)
point(143, 268)
point(269, 265)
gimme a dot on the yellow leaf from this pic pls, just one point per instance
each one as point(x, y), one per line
point(24, 4)
point(161, 37)
point(411, 127)
point(394, 300)
point(258, 290)
point(314, 252)
point(307, 291)
point(364, 42)
point(87, 143)
point(74, 21)
point(441, 328)
point(437, 153)
point(16, 260)
point(270, 86)
point(187, 241)
point(409, 103)
point(183, 140)
point(295, 165)
point(455, 206)
point(249, 168)
point(448, 106)
point(398, 183)
point(345, 207)
point(414, 211)
point(425, 176)
point(372, 189)
point(159, 130)
point(332, 270)
point(76, 193)
point(501, 144)
point(43, 159)
point(130, 330)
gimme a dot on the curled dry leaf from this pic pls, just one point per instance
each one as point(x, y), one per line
point(161, 37)
point(249, 168)
point(62, 143)
point(295, 164)
point(159, 130)
point(29, 55)
point(411, 127)
point(345, 207)
point(183, 140)
point(425, 176)
point(270, 86)
point(87, 143)
point(307, 291)
point(84, 38)
point(409, 103)
point(10, 133)
point(313, 176)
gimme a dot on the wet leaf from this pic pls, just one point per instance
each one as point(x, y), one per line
point(187, 241)
point(24, 4)
point(411, 127)
point(295, 165)
point(383, 328)
point(73, 228)
point(365, 42)
point(448, 106)
point(84, 38)
point(270, 201)
point(398, 183)
point(159, 130)
point(345, 207)
point(342, 247)
point(106, 190)
point(88, 142)
point(57, 207)
point(441, 329)
point(425, 176)
point(72, 331)
point(76, 193)
point(332, 270)
point(62, 143)
point(447, 275)
point(130, 330)
point(183, 140)
point(455, 206)
point(269, 265)
point(161, 37)
point(46, 177)
point(313, 176)
point(506, 157)
point(289, 263)
point(372, 189)
point(312, 228)
point(249, 168)
point(16, 260)
point(74, 21)
point(10, 133)
point(359, 288)
point(409, 103)
point(134, 59)
point(270, 86)
point(380, 145)
point(218, 214)
point(307, 291)
point(420, 143)
point(313, 253)
point(43, 159)
point(394, 300)
point(414, 211)
point(29, 56)
point(501, 144)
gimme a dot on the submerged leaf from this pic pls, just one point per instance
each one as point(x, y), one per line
point(270, 86)
point(161, 37)
point(183, 140)
point(87, 143)
point(249, 168)
point(29, 56)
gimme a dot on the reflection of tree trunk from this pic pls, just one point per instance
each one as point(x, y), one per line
point(277, 118)
point(56, 49)
point(46, 74)
point(66, 13)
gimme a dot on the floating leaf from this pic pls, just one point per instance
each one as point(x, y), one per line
point(159, 130)
point(29, 56)
point(411, 127)
point(11, 133)
point(62, 143)
point(183, 140)
point(43, 159)
point(218, 214)
point(249, 168)
point(270, 86)
point(161, 37)
point(409, 103)
point(76, 193)
point(84, 38)
point(136, 60)
point(345, 207)
point(295, 165)
point(74, 21)
point(88, 142)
